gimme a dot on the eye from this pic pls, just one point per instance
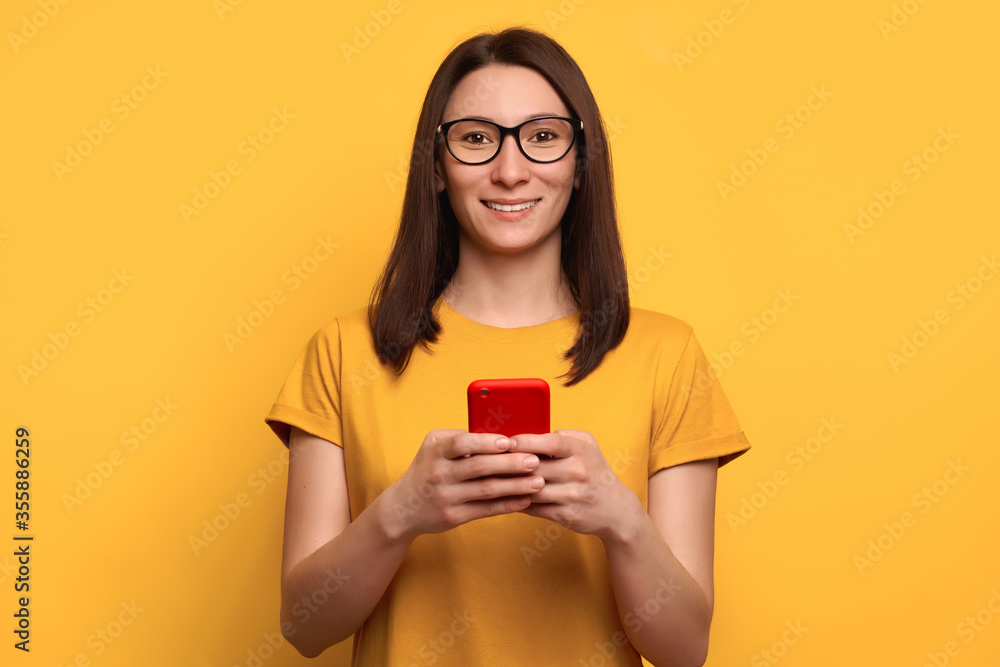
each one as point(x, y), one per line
point(544, 136)
point(475, 138)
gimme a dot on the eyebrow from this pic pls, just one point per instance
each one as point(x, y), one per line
point(534, 115)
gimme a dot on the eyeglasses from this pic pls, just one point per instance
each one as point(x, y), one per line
point(477, 141)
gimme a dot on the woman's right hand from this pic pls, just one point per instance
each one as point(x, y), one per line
point(456, 477)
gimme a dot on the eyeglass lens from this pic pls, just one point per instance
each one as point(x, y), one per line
point(546, 139)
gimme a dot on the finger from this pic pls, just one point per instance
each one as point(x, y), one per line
point(501, 464)
point(505, 505)
point(442, 434)
point(489, 488)
point(540, 510)
point(552, 445)
point(586, 436)
point(549, 494)
point(530, 510)
point(555, 513)
point(497, 487)
point(464, 444)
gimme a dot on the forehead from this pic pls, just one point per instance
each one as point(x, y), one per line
point(505, 94)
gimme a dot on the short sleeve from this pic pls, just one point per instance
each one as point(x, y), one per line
point(310, 396)
point(696, 420)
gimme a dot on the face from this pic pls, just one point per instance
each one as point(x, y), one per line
point(508, 96)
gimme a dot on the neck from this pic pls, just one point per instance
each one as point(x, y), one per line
point(511, 290)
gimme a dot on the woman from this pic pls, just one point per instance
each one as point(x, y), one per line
point(438, 546)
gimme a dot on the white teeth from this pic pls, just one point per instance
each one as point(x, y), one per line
point(512, 207)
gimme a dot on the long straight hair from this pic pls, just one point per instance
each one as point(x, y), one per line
point(424, 254)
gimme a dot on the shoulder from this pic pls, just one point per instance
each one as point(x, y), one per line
point(346, 325)
point(650, 327)
point(341, 334)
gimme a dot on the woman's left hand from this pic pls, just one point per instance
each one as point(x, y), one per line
point(581, 492)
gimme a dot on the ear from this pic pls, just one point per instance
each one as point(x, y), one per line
point(439, 179)
point(576, 179)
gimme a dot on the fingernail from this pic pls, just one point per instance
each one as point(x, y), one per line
point(512, 443)
point(536, 483)
point(530, 461)
point(505, 443)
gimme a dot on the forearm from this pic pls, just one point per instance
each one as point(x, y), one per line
point(664, 611)
point(330, 594)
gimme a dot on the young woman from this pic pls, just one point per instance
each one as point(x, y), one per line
point(433, 545)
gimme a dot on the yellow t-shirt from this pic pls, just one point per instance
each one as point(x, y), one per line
point(513, 589)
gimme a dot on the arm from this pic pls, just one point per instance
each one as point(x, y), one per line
point(335, 571)
point(664, 593)
point(667, 556)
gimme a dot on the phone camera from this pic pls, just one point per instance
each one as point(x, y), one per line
point(483, 393)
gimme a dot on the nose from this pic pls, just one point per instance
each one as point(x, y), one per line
point(510, 166)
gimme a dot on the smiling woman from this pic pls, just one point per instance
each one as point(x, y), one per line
point(509, 201)
point(590, 544)
point(486, 88)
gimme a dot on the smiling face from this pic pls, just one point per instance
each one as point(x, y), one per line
point(510, 180)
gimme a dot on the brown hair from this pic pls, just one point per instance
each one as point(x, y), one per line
point(424, 255)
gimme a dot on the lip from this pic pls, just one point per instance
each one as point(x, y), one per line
point(509, 202)
point(511, 216)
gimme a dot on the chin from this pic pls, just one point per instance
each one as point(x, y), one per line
point(513, 244)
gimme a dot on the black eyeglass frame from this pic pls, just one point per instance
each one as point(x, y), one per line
point(576, 123)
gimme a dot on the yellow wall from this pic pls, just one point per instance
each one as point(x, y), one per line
point(746, 135)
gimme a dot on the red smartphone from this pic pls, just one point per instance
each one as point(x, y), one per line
point(509, 406)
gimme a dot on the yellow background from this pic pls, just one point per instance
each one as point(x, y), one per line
point(333, 172)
